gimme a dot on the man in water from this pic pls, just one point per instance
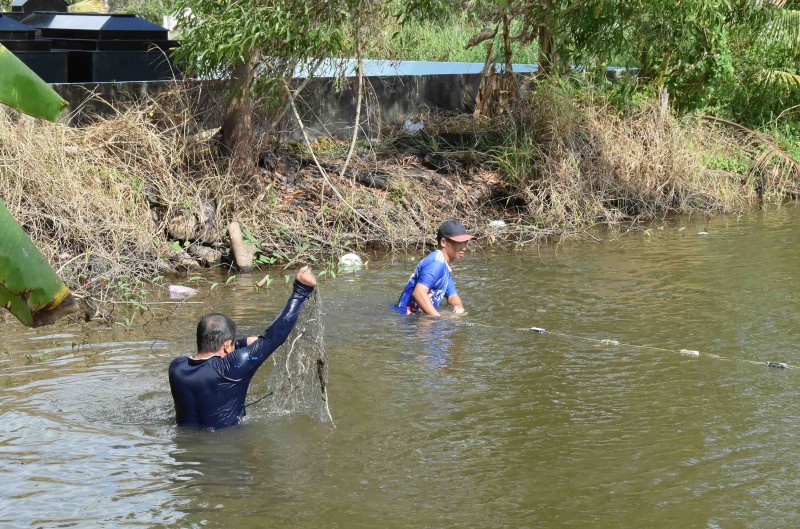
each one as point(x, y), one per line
point(432, 280)
point(209, 389)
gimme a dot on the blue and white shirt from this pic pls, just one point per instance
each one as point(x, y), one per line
point(434, 273)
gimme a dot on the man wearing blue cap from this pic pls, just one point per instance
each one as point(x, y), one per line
point(432, 280)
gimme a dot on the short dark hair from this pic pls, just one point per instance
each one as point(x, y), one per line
point(213, 330)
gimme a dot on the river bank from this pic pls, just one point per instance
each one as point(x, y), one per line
point(121, 201)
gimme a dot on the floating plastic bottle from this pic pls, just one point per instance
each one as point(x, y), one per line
point(779, 365)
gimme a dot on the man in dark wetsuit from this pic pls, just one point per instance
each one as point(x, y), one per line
point(209, 389)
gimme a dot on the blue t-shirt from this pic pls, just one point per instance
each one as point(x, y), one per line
point(210, 393)
point(434, 273)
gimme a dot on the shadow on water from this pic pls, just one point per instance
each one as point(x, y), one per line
point(441, 424)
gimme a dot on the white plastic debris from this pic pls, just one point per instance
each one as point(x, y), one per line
point(779, 365)
point(497, 224)
point(411, 127)
point(350, 262)
point(179, 291)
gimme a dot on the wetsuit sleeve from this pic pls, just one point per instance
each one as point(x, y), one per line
point(247, 360)
point(239, 343)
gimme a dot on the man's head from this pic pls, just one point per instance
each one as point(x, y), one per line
point(213, 333)
point(453, 230)
point(452, 239)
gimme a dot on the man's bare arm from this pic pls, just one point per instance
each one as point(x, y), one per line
point(420, 295)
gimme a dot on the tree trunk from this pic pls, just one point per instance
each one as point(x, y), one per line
point(548, 55)
point(548, 48)
point(509, 91)
point(237, 127)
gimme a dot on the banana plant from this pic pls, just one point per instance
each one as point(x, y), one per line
point(29, 287)
point(22, 89)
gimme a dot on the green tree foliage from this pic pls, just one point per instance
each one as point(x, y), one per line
point(766, 50)
point(683, 47)
point(566, 32)
point(258, 45)
point(738, 58)
point(735, 57)
point(216, 34)
point(152, 10)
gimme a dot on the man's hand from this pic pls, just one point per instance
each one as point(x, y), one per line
point(306, 276)
point(455, 302)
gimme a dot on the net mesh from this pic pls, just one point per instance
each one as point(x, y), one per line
point(299, 379)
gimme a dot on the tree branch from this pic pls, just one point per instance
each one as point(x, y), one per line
point(486, 34)
point(322, 171)
point(360, 68)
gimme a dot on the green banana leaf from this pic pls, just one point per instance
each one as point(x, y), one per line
point(22, 89)
point(29, 287)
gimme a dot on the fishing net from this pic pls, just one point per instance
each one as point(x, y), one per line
point(299, 380)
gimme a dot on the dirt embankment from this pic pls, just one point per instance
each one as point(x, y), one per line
point(119, 202)
point(125, 199)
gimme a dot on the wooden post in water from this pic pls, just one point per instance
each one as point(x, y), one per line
point(243, 253)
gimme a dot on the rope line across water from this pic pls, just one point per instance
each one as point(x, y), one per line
point(615, 343)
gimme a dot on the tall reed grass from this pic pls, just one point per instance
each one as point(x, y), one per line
point(442, 40)
point(570, 158)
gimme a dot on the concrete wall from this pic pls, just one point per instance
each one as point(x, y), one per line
point(326, 107)
point(89, 99)
point(328, 110)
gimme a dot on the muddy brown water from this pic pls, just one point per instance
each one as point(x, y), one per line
point(440, 424)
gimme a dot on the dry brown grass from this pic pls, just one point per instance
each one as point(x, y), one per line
point(577, 161)
point(101, 200)
point(83, 195)
point(78, 203)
